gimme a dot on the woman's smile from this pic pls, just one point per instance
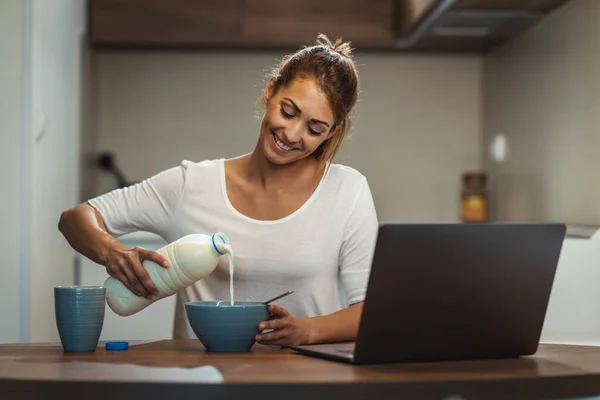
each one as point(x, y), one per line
point(281, 146)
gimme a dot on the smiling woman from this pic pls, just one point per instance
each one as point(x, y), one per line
point(324, 80)
point(291, 132)
point(296, 220)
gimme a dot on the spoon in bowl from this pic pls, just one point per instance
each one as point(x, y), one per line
point(279, 297)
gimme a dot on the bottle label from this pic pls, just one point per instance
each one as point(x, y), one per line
point(474, 209)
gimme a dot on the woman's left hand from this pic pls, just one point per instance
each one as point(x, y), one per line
point(287, 330)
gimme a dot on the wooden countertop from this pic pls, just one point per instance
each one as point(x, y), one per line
point(31, 370)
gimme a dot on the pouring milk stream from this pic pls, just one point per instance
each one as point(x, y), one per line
point(191, 258)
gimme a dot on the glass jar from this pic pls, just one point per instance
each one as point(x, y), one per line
point(474, 198)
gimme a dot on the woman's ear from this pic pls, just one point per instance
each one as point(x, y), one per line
point(268, 91)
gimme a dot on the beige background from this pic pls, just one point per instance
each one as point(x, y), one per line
point(41, 68)
point(416, 129)
point(12, 210)
point(542, 91)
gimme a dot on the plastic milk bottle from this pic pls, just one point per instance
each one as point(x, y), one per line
point(191, 258)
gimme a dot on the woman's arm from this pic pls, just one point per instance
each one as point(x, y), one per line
point(84, 229)
point(341, 326)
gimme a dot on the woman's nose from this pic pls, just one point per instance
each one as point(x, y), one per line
point(294, 133)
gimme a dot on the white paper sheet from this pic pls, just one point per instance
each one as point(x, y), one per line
point(100, 371)
point(132, 372)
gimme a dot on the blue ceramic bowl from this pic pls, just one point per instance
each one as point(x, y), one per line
point(222, 327)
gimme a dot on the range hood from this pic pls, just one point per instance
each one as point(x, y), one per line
point(466, 25)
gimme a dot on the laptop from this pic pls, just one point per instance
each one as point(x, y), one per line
point(453, 291)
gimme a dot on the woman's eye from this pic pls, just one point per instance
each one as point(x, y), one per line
point(286, 114)
point(313, 132)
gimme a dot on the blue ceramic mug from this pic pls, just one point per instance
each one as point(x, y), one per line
point(222, 327)
point(79, 313)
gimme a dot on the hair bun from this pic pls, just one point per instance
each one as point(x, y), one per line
point(340, 47)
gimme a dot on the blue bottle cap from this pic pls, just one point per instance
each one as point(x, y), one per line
point(116, 345)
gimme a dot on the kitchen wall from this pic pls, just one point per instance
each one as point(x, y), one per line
point(41, 107)
point(12, 174)
point(58, 34)
point(542, 91)
point(416, 129)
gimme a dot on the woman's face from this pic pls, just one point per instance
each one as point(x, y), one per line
point(298, 119)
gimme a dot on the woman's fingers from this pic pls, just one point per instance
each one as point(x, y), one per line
point(125, 281)
point(274, 324)
point(141, 273)
point(126, 265)
point(279, 326)
point(144, 279)
point(271, 337)
point(153, 256)
point(127, 270)
point(282, 329)
point(278, 311)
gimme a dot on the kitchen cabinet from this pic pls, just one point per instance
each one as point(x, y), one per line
point(231, 23)
point(288, 22)
point(162, 23)
point(398, 25)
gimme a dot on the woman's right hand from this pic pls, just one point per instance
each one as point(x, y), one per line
point(125, 264)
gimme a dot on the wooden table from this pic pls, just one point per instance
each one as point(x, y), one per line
point(44, 371)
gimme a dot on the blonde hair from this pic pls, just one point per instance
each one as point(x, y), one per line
point(331, 65)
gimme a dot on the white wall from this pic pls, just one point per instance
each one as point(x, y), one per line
point(417, 126)
point(57, 34)
point(542, 90)
point(573, 315)
point(13, 177)
point(41, 57)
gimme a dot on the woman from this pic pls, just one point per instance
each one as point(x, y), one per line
point(295, 220)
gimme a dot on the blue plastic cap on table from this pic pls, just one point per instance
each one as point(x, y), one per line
point(116, 345)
